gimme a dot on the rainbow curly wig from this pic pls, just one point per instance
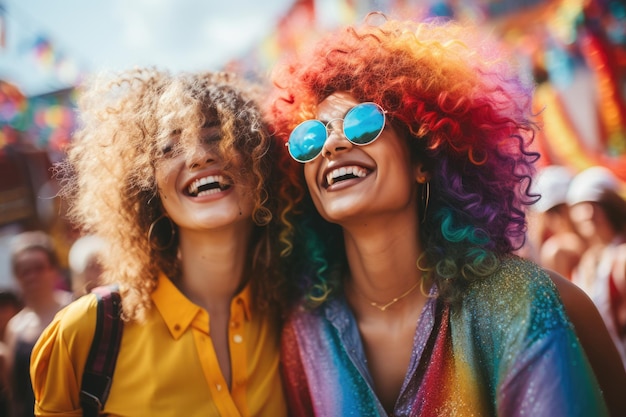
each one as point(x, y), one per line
point(108, 176)
point(461, 103)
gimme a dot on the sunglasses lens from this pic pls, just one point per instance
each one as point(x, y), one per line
point(306, 140)
point(364, 123)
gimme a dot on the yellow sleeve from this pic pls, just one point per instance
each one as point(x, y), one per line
point(59, 356)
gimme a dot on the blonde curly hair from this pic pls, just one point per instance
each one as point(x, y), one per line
point(108, 176)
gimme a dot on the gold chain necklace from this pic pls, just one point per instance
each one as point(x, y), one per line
point(384, 307)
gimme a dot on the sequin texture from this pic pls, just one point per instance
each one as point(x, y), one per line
point(507, 350)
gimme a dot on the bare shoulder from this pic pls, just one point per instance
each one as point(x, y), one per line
point(572, 295)
point(580, 308)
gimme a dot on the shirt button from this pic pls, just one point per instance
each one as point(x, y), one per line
point(237, 338)
point(177, 327)
point(219, 387)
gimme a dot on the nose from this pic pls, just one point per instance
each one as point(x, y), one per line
point(336, 142)
point(199, 156)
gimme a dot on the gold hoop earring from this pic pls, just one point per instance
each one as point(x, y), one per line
point(154, 241)
point(425, 199)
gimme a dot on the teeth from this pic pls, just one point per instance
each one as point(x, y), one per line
point(209, 192)
point(340, 172)
point(193, 187)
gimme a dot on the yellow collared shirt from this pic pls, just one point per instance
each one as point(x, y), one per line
point(166, 366)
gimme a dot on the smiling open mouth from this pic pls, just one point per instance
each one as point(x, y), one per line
point(345, 173)
point(208, 185)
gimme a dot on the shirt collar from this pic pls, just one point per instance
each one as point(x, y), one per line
point(179, 312)
point(176, 309)
point(243, 299)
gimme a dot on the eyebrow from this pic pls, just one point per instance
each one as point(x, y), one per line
point(337, 118)
point(211, 125)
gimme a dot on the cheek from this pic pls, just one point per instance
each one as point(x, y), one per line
point(310, 175)
point(581, 212)
point(164, 179)
point(166, 192)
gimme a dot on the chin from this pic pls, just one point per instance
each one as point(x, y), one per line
point(344, 208)
point(339, 216)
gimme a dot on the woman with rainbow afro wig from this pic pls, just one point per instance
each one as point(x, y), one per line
point(413, 141)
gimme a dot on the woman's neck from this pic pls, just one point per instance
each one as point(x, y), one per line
point(382, 260)
point(386, 295)
point(213, 264)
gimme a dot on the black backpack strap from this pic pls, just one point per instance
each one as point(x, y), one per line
point(98, 372)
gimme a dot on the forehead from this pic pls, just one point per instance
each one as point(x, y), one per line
point(336, 105)
point(192, 135)
point(30, 255)
point(186, 139)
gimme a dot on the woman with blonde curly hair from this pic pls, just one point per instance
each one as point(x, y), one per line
point(413, 141)
point(179, 175)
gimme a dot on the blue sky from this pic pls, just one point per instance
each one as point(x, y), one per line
point(114, 34)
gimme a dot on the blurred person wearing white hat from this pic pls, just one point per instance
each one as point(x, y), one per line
point(599, 214)
point(85, 264)
point(555, 243)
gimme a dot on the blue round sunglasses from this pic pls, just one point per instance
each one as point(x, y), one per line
point(362, 125)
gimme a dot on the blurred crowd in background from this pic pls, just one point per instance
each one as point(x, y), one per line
point(575, 50)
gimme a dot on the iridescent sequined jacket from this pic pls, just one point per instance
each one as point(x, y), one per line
point(507, 350)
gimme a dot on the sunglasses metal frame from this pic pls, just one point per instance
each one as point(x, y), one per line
point(325, 125)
